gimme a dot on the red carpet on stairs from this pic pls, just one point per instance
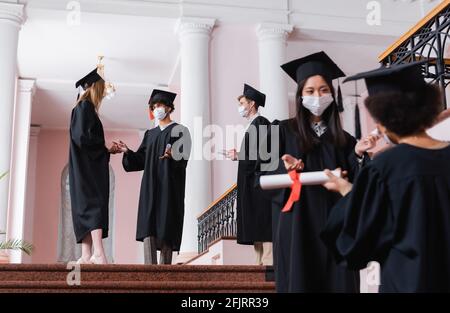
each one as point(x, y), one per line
point(62, 278)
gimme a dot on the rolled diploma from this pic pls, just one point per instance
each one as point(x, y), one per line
point(284, 180)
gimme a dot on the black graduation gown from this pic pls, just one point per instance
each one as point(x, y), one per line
point(161, 200)
point(398, 213)
point(254, 213)
point(302, 262)
point(88, 172)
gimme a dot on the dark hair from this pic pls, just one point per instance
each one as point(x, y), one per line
point(302, 122)
point(162, 101)
point(248, 99)
point(406, 113)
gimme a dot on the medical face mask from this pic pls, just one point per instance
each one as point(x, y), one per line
point(159, 113)
point(317, 105)
point(243, 112)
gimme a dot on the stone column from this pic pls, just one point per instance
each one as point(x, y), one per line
point(11, 19)
point(272, 80)
point(194, 34)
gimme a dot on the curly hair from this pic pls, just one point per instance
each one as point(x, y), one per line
point(406, 113)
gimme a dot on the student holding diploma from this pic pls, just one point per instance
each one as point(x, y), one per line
point(312, 141)
point(398, 210)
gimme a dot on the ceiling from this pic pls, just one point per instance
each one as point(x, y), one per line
point(141, 53)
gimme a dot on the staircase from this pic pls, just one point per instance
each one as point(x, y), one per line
point(52, 278)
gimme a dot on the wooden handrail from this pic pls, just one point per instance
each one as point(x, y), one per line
point(438, 9)
point(218, 200)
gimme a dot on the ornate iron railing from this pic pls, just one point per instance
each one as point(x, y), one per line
point(426, 40)
point(218, 220)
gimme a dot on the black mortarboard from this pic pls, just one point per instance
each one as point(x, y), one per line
point(314, 64)
point(255, 95)
point(403, 78)
point(161, 95)
point(88, 80)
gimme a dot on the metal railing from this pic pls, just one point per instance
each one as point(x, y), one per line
point(218, 220)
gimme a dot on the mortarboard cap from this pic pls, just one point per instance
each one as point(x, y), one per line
point(314, 64)
point(403, 78)
point(255, 95)
point(88, 80)
point(161, 95)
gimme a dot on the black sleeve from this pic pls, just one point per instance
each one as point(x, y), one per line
point(270, 163)
point(85, 131)
point(360, 227)
point(135, 161)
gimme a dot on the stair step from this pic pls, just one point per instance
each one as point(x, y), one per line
point(136, 278)
point(120, 286)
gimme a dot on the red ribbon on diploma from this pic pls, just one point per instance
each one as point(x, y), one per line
point(296, 188)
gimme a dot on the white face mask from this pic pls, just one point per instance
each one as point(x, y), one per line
point(159, 113)
point(243, 112)
point(388, 141)
point(317, 105)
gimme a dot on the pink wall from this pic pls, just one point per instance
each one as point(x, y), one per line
point(234, 61)
point(52, 156)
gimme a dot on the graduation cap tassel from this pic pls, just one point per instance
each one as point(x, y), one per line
point(357, 117)
point(357, 122)
point(340, 104)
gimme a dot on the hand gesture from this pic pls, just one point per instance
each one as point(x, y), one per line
point(232, 154)
point(338, 184)
point(366, 144)
point(122, 146)
point(292, 164)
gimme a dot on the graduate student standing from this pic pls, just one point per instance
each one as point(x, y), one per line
point(89, 170)
point(398, 210)
point(163, 156)
point(254, 213)
point(312, 141)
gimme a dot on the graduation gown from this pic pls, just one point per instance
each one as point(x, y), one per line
point(302, 262)
point(161, 200)
point(88, 172)
point(398, 213)
point(254, 213)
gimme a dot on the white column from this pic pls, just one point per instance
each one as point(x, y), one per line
point(11, 19)
point(31, 189)
point(272, 80)
point(19, 165)
point(194, 36)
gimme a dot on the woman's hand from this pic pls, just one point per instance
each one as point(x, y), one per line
point(338, 184)
point(122, 146)
point(292, 164)
point(366, 144)
point(114, 148)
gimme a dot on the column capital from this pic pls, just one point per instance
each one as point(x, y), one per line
point(26, 85)
point(12, 13)
point(194, 25)
point(273, 31)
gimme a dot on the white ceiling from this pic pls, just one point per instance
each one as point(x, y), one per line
point(140, 54)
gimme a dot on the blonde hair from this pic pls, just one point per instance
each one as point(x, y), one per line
point(94, 94)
